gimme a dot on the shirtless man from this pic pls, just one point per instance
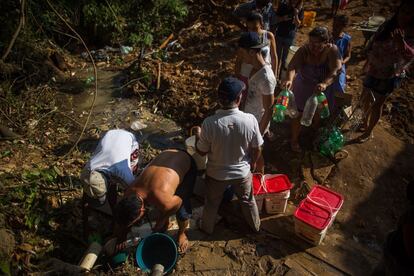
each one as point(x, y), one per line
point(167, 184)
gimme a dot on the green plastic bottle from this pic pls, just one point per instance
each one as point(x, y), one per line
point(325, 107)
point(278, 114)
point(282, 103)
point(89, 80)
point(333, 144)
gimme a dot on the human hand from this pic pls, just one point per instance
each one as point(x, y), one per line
point(196, 130)
point(253, 167)
point(320, 87)
point(287, 84)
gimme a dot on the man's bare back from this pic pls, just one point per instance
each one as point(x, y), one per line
point(166, 183)
point(160, 179)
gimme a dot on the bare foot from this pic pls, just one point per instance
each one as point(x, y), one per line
point(182, 243)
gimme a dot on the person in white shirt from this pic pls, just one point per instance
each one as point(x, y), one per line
point(232, 140)
point(262, 83)
point(115, 160)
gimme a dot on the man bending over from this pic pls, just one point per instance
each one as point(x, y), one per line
point(167, 184)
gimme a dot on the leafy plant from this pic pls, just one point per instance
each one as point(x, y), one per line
point(30, 197)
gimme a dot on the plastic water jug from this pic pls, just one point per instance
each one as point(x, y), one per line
point(201, 161)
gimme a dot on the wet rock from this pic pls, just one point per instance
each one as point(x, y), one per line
point(7, 244)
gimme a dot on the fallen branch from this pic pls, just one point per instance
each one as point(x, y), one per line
point(95, 75)
point(142, 85)
point(159, 76)
point(70, 118)
point(165, 42)
point(16, 33)
point(10, 120)
point(129, 82)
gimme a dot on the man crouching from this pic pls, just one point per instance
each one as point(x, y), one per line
point(167, 184)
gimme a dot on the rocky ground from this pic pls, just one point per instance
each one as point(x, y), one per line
point(40, 190)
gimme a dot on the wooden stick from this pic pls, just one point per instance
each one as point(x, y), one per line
point(159, 76)
point(16, 33)
point(165, 42)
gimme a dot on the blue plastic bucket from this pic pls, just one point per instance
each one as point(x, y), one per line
point(157, 248)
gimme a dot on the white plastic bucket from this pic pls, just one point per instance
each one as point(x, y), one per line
point(276, 203)
point(309, 233)
point(291, 53)
point(201, 161)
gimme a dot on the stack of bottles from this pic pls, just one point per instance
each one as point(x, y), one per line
point(331, 142)
point(285, 105)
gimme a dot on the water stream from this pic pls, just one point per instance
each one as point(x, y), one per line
point(113, 110)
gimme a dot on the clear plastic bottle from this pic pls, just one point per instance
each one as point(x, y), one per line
point(130, 243)
point(309, 111)
point(292, 109)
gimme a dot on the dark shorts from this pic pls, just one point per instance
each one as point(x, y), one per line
point(382, 87)
point(185, 191)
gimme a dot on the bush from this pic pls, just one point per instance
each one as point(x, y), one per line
point(133, 22)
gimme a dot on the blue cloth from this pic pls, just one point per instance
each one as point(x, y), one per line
point(339, 84)
point(342, 44)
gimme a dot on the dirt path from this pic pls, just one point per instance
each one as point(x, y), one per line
point(372, 178)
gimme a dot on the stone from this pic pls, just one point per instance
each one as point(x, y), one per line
point(7, 244)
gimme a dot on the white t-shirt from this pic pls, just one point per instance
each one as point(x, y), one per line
point(263, 82)
point(228, 137)
point(116, 154)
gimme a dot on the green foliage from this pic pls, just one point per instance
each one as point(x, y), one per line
point(5, 153)
point(135, 22)
point(29, 197)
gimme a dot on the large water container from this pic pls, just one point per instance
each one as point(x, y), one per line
point(201, 161)
point(291, 53)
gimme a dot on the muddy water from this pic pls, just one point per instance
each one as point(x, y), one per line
point(113, 110)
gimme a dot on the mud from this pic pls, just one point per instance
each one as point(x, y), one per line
point(372, 179)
